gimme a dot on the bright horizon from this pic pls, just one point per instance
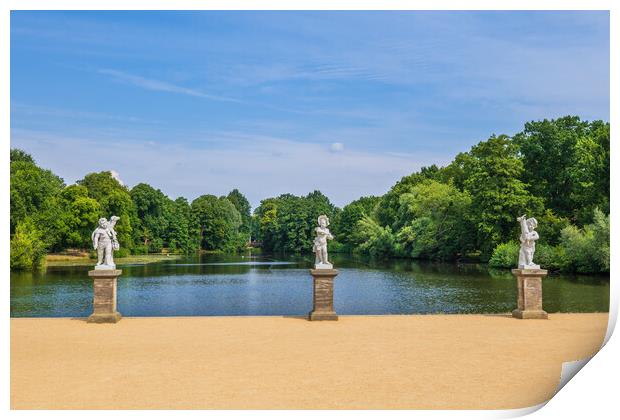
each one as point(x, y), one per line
point(347, 103)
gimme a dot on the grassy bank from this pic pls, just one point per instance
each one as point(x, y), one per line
point(61, 260)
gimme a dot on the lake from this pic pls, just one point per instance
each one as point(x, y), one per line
point(270, 285)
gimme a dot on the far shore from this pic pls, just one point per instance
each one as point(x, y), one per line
point(357, 362)
point(58, 260)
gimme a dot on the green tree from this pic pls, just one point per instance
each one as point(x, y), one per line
point(373, 239)
point(587, 249)
point(180, 238)
point(435, 221)
point(153, 209)
point(286, 223)
point(243, 207)
point(18, 155)
point(498, 195)
point(266, 223)
point(31, 187)
point(79, 216)
point(217, 222)
point(567, 164)
point(27, 246)
point(590, 173)
point(350, 215)
point(113, 199)
point(387, 209)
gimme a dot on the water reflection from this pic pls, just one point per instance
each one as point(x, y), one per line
point(278, 285)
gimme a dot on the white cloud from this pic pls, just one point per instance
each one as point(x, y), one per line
point(264, 167)
point(158, 85)
point(336, 147)
point(117, 176)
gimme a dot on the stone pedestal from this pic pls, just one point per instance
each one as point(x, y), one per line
point(323, 295)
point(104, 296)
point(529, 286)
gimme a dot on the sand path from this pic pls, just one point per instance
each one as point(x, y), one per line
point(358, 362)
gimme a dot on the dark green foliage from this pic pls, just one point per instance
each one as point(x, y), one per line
point(434, 220)
point(18, 155)
point(550, 227)
point(31, 187)
point(114, 199)
point(154, 213)
point(346, 220)
point(554, 170)
point(180, 234)
point(567, 163)
point(243, 207)
point(80, 214)
point(286, 223)
point(373, 239)
point(217, 223)
point(498, 194)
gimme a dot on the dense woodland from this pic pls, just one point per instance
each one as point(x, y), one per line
point(554, 170)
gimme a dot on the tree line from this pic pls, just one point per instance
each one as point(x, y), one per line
point(555, 170)
point(49, 216)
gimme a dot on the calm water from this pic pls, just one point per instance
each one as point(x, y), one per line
point(262, 285)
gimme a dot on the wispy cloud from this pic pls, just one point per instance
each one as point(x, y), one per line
point(19, 109)
point(161, 86)
point(260, 168)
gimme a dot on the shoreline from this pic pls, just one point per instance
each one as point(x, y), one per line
point(500, 314)
point(474, 361)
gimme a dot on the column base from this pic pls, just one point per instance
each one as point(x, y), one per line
point(531, 314)
point(322, 316)
point(112, 318)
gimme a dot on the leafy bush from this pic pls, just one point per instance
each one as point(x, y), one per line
point(338, 247)
point(374, 239)
point(139, 250)
point(505, 255)
point(123, 252)
point(550, 257)
point(27, 247)
point(587, 249)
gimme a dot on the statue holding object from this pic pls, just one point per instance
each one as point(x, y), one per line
point(105, 242)
point(320, 244)
point(528, 239)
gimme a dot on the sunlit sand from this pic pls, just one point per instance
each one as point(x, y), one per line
point(358, 362)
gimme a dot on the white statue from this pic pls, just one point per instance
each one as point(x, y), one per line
point(528, 242)
point(320, 244)
point(105, 242)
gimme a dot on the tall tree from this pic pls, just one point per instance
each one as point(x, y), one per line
point(31, 187)
point(153, 210)
point(498, 195)
point(217, 221)
point(350, 215)
point(180, 235)
point(386, 211)
point(286, 223)
point(114, 199)
point(243, 207)
point(566, 163)
point(79, 216)
point(435, 220)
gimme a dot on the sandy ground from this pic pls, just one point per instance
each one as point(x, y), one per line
point(358, 362)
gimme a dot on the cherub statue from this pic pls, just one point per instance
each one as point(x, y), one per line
point(528, 242)
point(105, 242)
point(320, 243)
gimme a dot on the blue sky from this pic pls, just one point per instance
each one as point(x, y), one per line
point(273, 102)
